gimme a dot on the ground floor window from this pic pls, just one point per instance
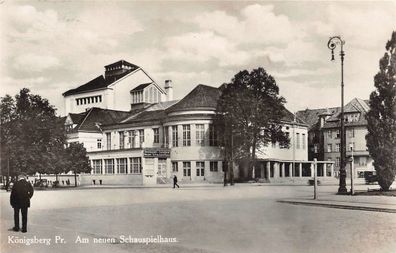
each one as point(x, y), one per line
point(122, 166)
point(109, 166)
point(187, 169)
point(214, 166)
point(200, 166)
point(175, 167)
point(97, 166)
point(136, 165)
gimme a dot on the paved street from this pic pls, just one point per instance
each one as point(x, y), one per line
point(244, 218)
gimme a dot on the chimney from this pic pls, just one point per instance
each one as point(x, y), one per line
point(169, 90)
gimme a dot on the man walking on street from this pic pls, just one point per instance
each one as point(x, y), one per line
point(175, 182)
point(21, 193)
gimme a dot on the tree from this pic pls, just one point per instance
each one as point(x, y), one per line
point(77, 160)
point(249, 114)
point(32, 136)
point(381, 118)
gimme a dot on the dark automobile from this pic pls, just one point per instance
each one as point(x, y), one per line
point(41, 183)
point(370, 177)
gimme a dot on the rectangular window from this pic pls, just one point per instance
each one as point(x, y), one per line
point(337, 147)
point(97, 166)
point(329, 148)
point(186, 135)
point(288, 137)
point(136, 165)
point(337, 162)
point(174, 136)
point(303, 141)
point(338, 134)
point(100, 98)
point(362, 161)
point(212, 135)
point(99, 143)
point(316, 148)
point(297, 140)
point(122, 139)
point(108, 141)
point(78, 101)
point(200, 166)
point(175, 167)
point(122, 166)
point(109, 166)
point(351, 146)
point(187, 169)
point(166, 136)
point(131, 138)
point(200, 134)
point(329, 134)
point(214, 166)
point(351, 133)
point(156, 135)
point(141, 136)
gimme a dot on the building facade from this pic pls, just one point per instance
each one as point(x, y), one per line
point(324, 135)
point(156, 139)
point(122, 87)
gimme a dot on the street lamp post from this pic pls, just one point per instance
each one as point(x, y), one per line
point(332, 44)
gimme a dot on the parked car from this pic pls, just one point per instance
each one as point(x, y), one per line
point(370, 177)
point(40, 183)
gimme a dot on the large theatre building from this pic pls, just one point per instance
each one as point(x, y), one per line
point(158, 137)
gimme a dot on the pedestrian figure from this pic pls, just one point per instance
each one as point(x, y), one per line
point(21, 193)
point(175, 182)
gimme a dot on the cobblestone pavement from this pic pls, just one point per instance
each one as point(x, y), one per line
point(244, 218)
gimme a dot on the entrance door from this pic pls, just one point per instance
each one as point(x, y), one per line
point(161, 173)
point(149, 175)
point(200, 170)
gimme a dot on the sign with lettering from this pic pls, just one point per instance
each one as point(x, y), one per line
point(156, 152)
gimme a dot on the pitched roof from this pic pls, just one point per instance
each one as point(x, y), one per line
point(202, 97)
point(141, 86)
point(289, 117)
point(122, 62)
point(96, 84)
point(95, 116)
point(355, 105)
point(311, 116)
point(155, 112)
point(101, 81)
point(77, 117)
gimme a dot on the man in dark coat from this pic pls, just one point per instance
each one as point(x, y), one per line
point(175, 182)
point(21, 193)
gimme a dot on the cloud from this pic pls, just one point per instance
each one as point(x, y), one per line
point(200, 47)
point(46, 32)
point(258, 24)
point(35, 63)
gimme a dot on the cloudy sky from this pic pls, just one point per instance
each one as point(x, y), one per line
point(51, 47)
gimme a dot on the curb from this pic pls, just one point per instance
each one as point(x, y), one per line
point(340, 206)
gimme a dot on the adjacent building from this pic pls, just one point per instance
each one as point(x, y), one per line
point(324, 134)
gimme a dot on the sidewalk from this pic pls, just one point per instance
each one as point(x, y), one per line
point(363, 203)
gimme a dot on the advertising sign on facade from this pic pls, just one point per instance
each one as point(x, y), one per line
point(156, 152)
